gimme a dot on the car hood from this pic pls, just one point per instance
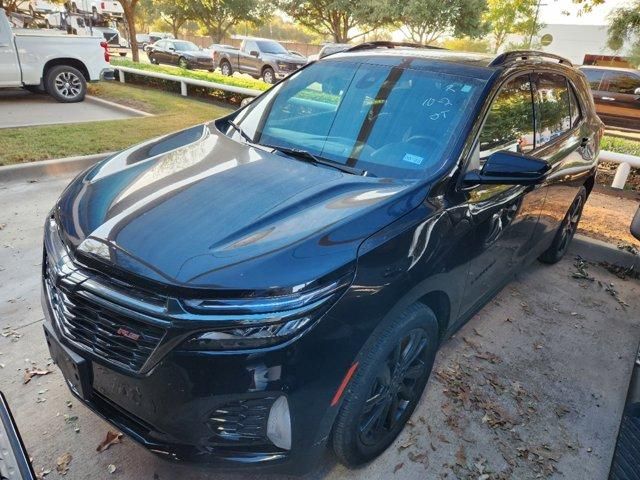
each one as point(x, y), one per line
point(285, 57)
point(197, 209)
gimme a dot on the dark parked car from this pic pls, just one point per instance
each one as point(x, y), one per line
point(251, 290)
point(181, 53)
point(616, 92)
point(260, 58)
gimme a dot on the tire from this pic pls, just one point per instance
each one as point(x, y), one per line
point(66, 84)
point(225, 68)
point(380, 376)
point(152, 60)
point(183, 63)
point(566, 231)
point(268, 76)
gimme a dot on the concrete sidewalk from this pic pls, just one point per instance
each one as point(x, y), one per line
point(532, 387)
point(19, 108)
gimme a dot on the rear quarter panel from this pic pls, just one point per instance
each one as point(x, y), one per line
point(35, 51)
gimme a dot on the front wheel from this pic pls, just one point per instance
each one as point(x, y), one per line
point(268, 76)
point(66, 84)
point(153, 60)
point(393, 369)
point(566, 231)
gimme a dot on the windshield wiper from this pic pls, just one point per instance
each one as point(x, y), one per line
point(310, 157)
point(242, 133)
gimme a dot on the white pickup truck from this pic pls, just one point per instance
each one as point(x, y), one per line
point(61, 65)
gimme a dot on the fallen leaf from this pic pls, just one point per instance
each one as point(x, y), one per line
point(461, 457)
point(62, 464)
point(29, 373)
point(111, 439)
point(111, 468)
point(398, 467)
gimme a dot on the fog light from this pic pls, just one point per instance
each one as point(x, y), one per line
point(279, 424)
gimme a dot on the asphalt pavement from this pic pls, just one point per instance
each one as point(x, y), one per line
point(532, 387)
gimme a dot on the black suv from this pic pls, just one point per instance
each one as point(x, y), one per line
point(251, 290)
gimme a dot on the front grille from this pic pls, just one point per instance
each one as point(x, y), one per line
point(95, 324)
point(241, 421)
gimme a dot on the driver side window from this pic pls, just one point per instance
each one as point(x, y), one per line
point(509, 124)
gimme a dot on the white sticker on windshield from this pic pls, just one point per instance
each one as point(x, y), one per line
point(415, 159)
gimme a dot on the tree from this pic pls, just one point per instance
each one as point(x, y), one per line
point(174, 13)
point(218, 16)
point(425, 21)
point(624, 26)
point(129, 7)
point(511, 17)
point(339, 18)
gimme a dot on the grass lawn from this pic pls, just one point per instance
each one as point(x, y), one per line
point(172, 112)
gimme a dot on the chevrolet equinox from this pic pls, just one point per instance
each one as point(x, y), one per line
point(251, 291)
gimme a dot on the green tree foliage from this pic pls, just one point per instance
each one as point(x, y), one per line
point(511, 17)
point(466, 44)
point(342, 20)
point(425, 21)
point(624, 27)
point(217, 17)
point(174, 13)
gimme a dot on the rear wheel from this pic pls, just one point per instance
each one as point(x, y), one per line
point(182, 63)
point(225, 68)
point(567, 230)
point(66, 84)
point(392, 372)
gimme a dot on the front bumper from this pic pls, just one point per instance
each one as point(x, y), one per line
point(208, 407)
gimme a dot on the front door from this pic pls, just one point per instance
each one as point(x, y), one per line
point(503, 217)
point(10, 75)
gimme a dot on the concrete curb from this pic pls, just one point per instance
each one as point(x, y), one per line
point(599, 251)
point(48, 168)
point(116, 106)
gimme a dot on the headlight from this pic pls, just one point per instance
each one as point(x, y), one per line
point(261, 322)
point(282, 65)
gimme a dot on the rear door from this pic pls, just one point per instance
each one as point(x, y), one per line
point(503, 217)
point(10, 75)
point(620, 98)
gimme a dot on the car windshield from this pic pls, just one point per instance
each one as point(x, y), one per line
point(388, 120)
point(271, 47)
point(186, 46)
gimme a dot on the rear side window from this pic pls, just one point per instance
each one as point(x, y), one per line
point(576, 113)
point(509, 124)
point(594, 77)
point(621, 82)
point(553, 111)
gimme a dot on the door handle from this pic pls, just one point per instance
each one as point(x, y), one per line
point(609, 99)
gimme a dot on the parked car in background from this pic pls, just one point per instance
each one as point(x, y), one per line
point(616, 93)
point(41, 7)
point(155, 36)
point(260, 58)
point(108, 8)
point(280, 279)
point(143, 39)
point(328, 49)
point(181, 53)
point(60, 65)
point(117, 44)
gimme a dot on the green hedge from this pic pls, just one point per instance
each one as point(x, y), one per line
point(195, 74)
point(620, 145)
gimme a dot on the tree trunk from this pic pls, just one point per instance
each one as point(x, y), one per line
point(129, 7)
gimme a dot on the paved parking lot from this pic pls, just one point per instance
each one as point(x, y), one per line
point(19, 108)
point(532, 387)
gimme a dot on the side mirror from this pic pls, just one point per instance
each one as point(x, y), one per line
point(254, 53)
point(172, 49)
point(635, 225)
point(508, 168)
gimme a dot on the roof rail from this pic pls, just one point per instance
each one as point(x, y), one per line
point(515, 55)
point(386, 44)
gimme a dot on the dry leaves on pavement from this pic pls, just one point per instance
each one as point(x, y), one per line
point(111, 439)
point(62, 464)
point(29, 373)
